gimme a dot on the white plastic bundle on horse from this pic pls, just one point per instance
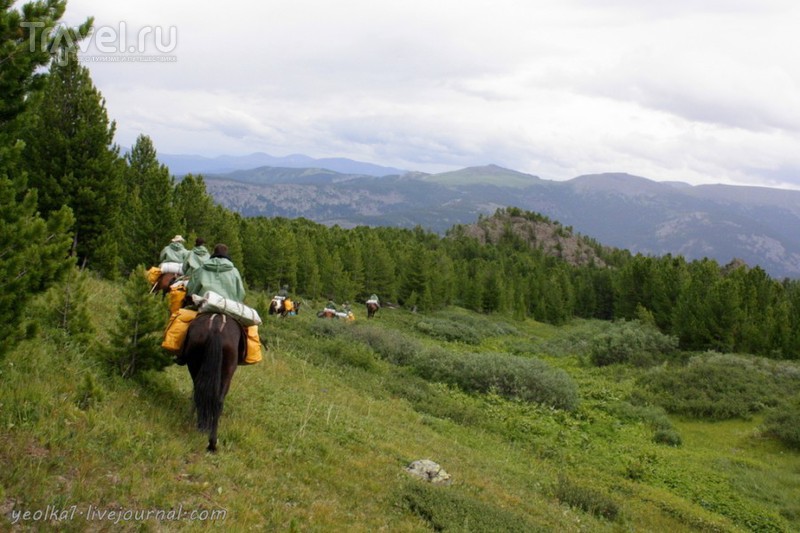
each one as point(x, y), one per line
point(211, 302)
point(168, 267)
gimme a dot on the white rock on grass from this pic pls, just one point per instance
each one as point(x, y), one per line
point(429, 471)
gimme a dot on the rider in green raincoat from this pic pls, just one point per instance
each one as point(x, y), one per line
point(196, 257)
point(219, 275)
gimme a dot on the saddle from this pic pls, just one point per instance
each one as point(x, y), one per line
point(249, 349)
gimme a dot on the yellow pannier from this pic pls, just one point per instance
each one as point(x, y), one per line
point(253, 355)
point(153, 274)
point(176, 295)
point(176, 330)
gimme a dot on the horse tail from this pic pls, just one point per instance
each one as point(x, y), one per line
point(208, 385)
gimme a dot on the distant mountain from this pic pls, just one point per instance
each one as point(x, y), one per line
point(755, 224)
point(486, 175)
point(181, 165)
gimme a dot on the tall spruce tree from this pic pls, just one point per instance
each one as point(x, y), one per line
point(153, 219)
point(72, 160)
point(33, 253)
point(195, 206)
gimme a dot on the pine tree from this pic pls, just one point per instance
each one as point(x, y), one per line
point(194, 206)
point(152, 219)
point(256, 261)
point(136, 339)
point(33, 253)
point(27, 39)
point(33, 250)
point(72, 160)
point(308, 275)
point(69, 307)
point(379, 267)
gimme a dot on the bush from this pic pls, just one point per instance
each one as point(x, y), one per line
point(327, 328)
point(631, 342)
point(436, 399)
point(669, 437)
point(510, 376)
point(391, 346)
point(783, 423)
point(585, 498)
point(448, 330)
point(652, 415)
point(575, 339)
point(445, 509)
point(352, 354)
point(89, 393)
point(483, 326)
point(717, 387)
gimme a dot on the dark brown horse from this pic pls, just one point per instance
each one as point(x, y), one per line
point(163, 283)
point(372, 308)
point(327, 313)
point(211, 351)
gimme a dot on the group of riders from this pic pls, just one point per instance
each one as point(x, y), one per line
point(200, 272)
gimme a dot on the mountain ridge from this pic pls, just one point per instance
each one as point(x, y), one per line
point(182, 164)
point(621, 210)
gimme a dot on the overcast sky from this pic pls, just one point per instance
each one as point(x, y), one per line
point(704, 91)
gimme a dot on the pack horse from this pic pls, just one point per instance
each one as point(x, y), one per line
point(211, 351)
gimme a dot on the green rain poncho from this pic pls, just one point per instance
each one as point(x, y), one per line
point(219, 275)
point(195, 259)
point(174, 252)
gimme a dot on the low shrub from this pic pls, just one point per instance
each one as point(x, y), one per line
point(783, 423)
point(510, 376)
point(390, 345)
point(670, 437)
point(448, 330)
point(349, 353)
point(652, 415)
point(586, 498)
point(631, 342)
point(445, 509)
point(89, 393)
point(575, 339)
point(326, 328)
point(522, 347)
point(714, 386)
point(482, 325)
point(435, 399)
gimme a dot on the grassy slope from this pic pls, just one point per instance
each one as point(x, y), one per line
point(312, 443)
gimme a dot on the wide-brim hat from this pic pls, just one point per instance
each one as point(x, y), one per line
point(177, 238)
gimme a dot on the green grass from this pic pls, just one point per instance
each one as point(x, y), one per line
point(316, 438)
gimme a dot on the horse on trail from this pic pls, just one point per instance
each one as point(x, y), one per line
point(372, 308)
point(211, 351)
point(163, 283)
point(277, 307)
point(327, 313)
